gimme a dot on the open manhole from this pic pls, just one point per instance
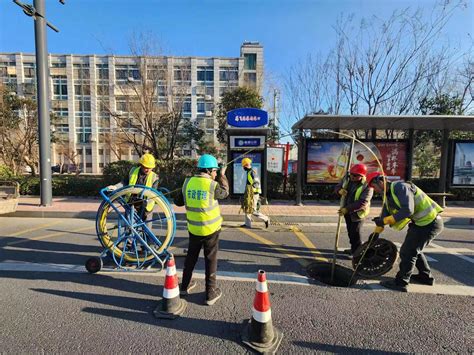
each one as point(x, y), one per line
point(321, 271)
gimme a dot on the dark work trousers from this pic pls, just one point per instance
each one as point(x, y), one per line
point(411, 251)
point(353, 230)
point(211, 245)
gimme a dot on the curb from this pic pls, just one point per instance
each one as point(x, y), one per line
point(450, 221)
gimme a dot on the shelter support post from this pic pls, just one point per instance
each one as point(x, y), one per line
point(411, 145)
point(299, 173)
point(443, 168)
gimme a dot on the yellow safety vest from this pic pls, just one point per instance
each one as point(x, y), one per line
point(150, 179)
point(202, 210)
point(365, 212)
point(256, 190)
point(426, 210)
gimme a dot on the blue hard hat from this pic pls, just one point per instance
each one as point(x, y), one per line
point(207, 161)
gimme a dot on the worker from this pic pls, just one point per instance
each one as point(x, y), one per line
point(200, 194)
point(140, 175)
point(251, 201)
point(356, 203)
point(407, 204)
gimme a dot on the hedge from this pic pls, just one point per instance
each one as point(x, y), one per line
point(172, 175)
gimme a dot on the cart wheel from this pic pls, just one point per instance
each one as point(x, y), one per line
point(94, 265)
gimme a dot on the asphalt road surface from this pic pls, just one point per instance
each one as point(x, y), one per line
point(49, 303)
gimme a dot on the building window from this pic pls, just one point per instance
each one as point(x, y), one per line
point(83, 135)
point(88, 151)
point(201, 106)
point(82, 89)
point(250, 61)
point(229, 74)
point(58, 65)
point(102, 90)
point(101, 165)
point(250, 79)
point(29, 70)
point(127, 73)
point(81, 71)
point(83, 105)
point(29, 88)
point(62, 128)
point(182, 74)
point(61, 112)
point(205, 74)
point(59, 88)
point(102, 71)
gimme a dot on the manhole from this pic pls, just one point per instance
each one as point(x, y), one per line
point(321, 271)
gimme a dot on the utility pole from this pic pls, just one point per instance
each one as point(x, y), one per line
point(38, 12)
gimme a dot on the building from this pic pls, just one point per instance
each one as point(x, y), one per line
point(88, 93)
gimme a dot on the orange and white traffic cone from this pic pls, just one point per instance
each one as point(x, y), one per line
point(171, 305)
point(258, 332)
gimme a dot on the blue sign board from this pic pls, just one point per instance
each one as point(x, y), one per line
point(247, 142)
point(247, 117)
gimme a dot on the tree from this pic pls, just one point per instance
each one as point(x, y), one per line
point(428, 143)
point(238, 98)
point(378, 67)
point(18, 131)
point(150, 102)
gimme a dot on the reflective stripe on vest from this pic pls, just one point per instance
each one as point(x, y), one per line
point(202, 210)
point(365, 212)
point(256, 190)
point(426, 210)
point(150, 179)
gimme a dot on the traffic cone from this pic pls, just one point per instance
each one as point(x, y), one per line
point(170, 306)
point(258, 332)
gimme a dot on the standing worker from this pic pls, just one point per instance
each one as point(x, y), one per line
point(251, 202)
point(200, 194)
point(140, 175)
point(356, 205)
point(406, 204)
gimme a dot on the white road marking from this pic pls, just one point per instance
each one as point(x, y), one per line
point(453, 290)
point(439, 248)
point(286, 278)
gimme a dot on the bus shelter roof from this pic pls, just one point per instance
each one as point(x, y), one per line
point(348, 122)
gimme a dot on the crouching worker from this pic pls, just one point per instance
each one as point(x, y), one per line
point(407, 204)
point(140, 175)
point(200, 194)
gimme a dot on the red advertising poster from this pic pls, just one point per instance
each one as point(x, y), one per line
point(326, 160)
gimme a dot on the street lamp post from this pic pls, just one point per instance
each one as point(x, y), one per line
point(38, 12)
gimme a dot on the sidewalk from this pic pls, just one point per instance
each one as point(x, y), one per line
point(459, 213)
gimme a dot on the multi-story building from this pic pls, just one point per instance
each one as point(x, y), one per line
point(81, 85)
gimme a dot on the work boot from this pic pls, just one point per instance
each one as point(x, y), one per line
point(213, 295)
point(394, 285)
point(422, 279)
point(186, 292)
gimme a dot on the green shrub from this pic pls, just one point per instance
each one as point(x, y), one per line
point(6, 173)
point(116, 171)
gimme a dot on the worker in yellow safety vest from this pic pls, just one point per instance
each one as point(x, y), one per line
point(406, 204)
point(140, 175)
point(356, 203)
point(251, 201)
point(200, 194)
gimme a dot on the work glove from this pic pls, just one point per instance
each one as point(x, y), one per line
point(343, 211)
point(111, 188)
point(378, 221)
point(342, 192)
point(223, 169)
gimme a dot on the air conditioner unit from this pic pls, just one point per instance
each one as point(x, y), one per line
point(208, 97)
point(208, 113)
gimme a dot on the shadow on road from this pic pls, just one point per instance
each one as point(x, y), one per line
point(338, 349)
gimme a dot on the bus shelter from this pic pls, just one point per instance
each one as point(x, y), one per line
point(446, 124)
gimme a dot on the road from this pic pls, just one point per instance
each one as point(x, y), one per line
point(49, 303)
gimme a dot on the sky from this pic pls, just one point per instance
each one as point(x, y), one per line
point(288, 29)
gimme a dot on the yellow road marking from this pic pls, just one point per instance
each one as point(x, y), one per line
point(33, 229)
point(278, 248)
point(48, 236)
point(317, 255)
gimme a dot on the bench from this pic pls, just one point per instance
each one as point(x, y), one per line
point(440, 197)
